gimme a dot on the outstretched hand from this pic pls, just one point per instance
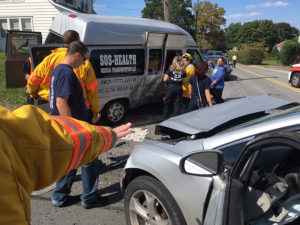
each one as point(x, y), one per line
point(123, 130)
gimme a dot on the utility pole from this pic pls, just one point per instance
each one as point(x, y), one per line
point(196, 22)
point(167, 9)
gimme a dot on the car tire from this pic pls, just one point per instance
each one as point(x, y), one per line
point(295, 80)
point(160, 209)
point(114, 112)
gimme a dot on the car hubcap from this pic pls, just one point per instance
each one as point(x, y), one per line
point(295, 80)
point(145, 208)
point(116, 112)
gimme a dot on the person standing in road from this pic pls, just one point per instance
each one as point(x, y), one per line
point(39, 81)
point(30, 162)
point(190, 70)
point(234, 58)
point(66, 99)
point(174, 78)
point(199, 88)
point(217, 78)
point(27, 70)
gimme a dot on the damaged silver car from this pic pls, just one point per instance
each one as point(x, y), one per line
point(233, 163)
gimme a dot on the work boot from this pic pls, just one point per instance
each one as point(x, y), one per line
point(98, 201)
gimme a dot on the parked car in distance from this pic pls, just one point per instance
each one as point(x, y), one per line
point(214, 52)
point(214, 59)
point(294, 75)
point(226, 164)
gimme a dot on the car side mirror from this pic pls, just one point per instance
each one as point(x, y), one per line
point(204, 163)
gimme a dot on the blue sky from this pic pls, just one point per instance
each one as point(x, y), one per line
point(236, 10)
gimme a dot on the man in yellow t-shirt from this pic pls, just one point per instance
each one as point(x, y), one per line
point(190, 70)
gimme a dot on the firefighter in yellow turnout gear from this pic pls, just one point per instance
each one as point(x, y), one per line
point(33, 160)
point(190, 70)
point(39, 81)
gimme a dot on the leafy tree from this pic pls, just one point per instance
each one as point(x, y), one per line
point(265, 31)
point(231, 33)
point(210, 19)
point(181, 14)
point(285, 31)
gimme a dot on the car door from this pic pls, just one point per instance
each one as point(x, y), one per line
point(17, 51)
point(257, 185)
point(239, 196)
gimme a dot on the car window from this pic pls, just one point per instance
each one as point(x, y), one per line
point(196, 56)
point(155, 59)
point(232, 152)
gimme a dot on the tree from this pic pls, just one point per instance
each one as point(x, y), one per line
point(181, 14)
point(231, 33)
point(285, 31)
point(210, 19)
point(265, 31)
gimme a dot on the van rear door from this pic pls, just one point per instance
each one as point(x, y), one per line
point(17, 51)
point(153, 78)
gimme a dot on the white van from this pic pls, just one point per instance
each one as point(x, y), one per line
point(129, 56)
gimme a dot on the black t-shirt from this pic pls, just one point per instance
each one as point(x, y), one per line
point(175, 78)
point(203, 83)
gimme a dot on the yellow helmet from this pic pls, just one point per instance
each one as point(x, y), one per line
point(187, 56)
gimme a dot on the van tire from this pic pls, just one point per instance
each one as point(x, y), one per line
point(114, 112)
point(295, 80)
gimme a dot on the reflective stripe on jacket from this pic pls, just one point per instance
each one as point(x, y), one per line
point(39, 81)
point(33, 160)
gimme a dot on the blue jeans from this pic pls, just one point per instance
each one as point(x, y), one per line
point(89, 177)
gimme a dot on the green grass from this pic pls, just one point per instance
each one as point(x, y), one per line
point(269, 62)
point(13, 97)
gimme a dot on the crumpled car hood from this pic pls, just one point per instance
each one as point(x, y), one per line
point(206, 119)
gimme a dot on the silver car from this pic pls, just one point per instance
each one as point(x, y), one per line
point(234, 163)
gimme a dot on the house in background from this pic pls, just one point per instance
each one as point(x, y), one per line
point(279, 46)
point(35, 15)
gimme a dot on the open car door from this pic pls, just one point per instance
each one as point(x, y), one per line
point(17, 51)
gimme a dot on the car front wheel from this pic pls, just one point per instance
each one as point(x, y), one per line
point(295, 81)
point(148, 202)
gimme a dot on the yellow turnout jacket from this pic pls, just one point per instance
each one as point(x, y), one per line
point(37, 149)
point(39, 81)
point(190, 70)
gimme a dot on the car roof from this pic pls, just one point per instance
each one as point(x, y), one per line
point(208, 119)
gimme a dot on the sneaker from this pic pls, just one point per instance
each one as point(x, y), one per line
point(95, 202)
point(70, 200)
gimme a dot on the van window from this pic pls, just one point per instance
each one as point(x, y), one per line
point(53, 39)
point(155, 59)
point(118, 62)
point(196, 56)
point(20, 44)
point(170, 56)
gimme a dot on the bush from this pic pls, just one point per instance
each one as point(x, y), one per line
point(274, 54)
point(230, 54)
point(289, 52)
point(251, 56)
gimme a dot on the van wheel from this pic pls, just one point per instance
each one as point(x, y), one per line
point(295, 81)
point(114, 112)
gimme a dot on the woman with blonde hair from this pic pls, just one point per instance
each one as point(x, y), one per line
point(174, 78)
point(199, 88)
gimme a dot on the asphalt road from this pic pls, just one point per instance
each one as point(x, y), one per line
point(245, 81)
